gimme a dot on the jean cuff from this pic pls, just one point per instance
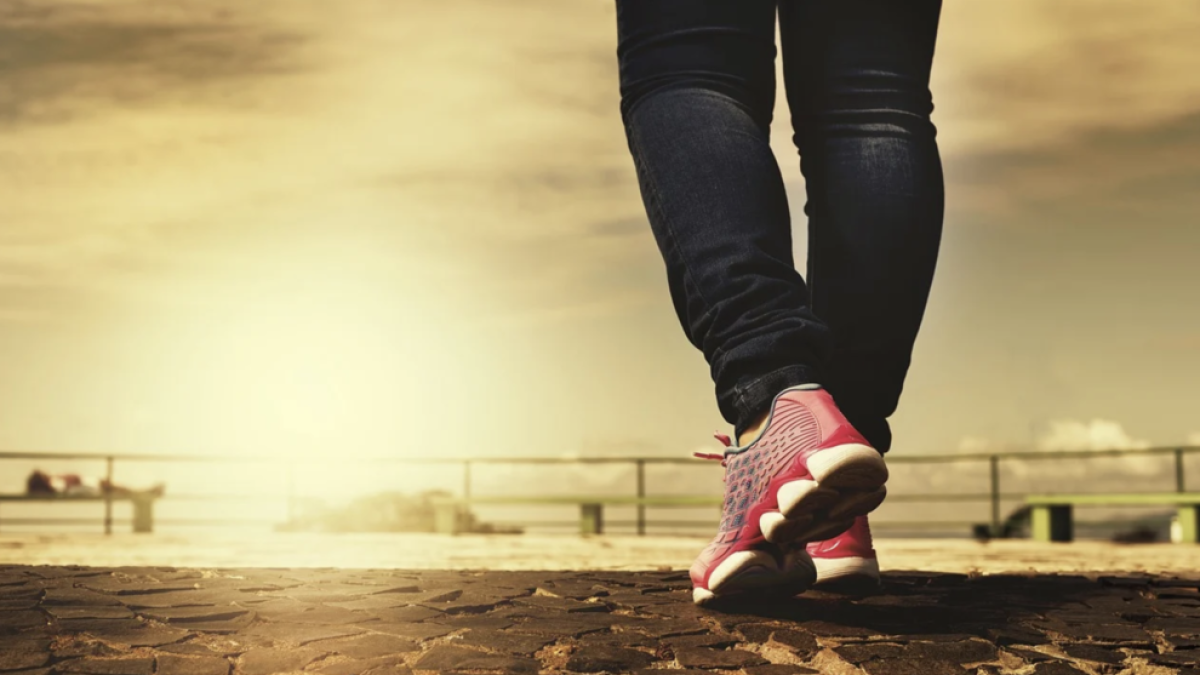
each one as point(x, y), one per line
point(753, 398)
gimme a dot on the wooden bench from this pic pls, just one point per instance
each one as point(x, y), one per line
point(448, 512)
point(143, 506)
point(1051, 517)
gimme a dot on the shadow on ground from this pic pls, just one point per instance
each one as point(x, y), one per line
point(138, 621)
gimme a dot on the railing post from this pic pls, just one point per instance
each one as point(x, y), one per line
point(108, 490)
point(143, 513)
point(1179, 477)
point(994, 460)
point(291, 494)
point(466, 480)
point(641, 493)
point(591, 519)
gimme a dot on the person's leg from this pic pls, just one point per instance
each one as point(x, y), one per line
point(697, 94)
point(698, 85)
point(857, 78)
point(857, 81)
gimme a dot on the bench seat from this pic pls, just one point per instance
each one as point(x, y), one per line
point(1051, 515)
point(143, 505)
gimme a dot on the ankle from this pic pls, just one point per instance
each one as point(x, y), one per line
point(751, 432)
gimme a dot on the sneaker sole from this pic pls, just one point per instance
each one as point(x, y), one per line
point(853, 575)
point(750, 573)
point(848, 481)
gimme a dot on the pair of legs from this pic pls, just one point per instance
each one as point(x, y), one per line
point(697, 94)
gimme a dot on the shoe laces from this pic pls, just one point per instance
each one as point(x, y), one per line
point(721, 457)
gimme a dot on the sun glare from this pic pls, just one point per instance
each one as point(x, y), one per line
point(319, 371)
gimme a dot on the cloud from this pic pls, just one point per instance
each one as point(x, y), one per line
point(1071, 474)
point(976, 444)
point(1096, 434)
point(1029, 72)
point(62, 59)
point(179, 138)
point(1089, 175)
point(1066, 435)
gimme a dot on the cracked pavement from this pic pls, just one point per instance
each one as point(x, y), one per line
point(179, 621)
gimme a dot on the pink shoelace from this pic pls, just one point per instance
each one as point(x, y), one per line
point(724, 438)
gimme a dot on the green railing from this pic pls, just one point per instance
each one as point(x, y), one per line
point(639, 499)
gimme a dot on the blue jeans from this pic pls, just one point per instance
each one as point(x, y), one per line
point(697, 93)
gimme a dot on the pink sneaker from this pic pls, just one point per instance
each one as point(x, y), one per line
point(806, 477)
point(847, 562)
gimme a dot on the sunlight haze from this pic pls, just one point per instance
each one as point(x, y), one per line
point(358, 229)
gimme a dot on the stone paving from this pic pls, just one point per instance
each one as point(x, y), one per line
point(172, 621)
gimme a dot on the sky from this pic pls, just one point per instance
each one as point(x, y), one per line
point(365, 228)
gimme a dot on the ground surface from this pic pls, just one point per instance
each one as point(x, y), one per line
point(173, 621)
point(534, 552)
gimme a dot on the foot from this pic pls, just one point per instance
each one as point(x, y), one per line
point(805, 478)
point(847, 562)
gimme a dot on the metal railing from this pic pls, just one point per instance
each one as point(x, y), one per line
point(992, 495)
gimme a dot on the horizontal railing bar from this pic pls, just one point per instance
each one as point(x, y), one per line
point(59, 499)
point(503, 500)
point(197, 497)
point(661, 523)
point(168, 496)
point(711, 523)
point(892, 459)
point(341, 460)
point(516, 500)
point(1036, 454)
point(98, 521)
point(952, 497)
point(708, 523)
point(1116, 499)
point(574, 523)
point(535, 523)
point(926, 524)
point(658, 501)
point(611, 500)
point(696, 501)
point(213, 521)
point(877, 524)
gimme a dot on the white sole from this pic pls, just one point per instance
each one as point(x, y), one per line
point(758, 572)
point(848, 481)
point(849, 575)
point(832, 569)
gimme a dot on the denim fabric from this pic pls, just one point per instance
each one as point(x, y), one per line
point(697, 93)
